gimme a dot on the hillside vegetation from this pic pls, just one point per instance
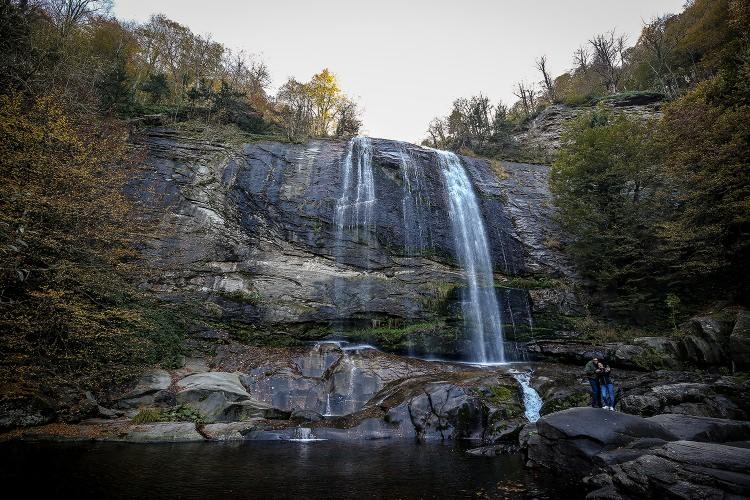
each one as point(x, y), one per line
point(657, 211)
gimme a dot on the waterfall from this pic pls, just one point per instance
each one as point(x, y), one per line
point(329, 411)
point(532, 402)
point(354, 207)
point(304, 434)
point(414, 204)
point(481, 312)
point(354, 210)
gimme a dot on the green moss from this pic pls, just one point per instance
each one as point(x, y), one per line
point(147, 416)
point(575, 400)
point(528, 282)
point(395, 337)
point(649, 359)
point(242, 296)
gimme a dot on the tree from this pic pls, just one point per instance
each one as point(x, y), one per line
point(70, 310)
point(605, 181)
point(608, 58)
point(67, 14)
point(115, 90)
point(297, 109)
point(156, 87)
point(549, 84)
point(324, 93)
point(527, 95)
point(581, 59)
point(347, 118)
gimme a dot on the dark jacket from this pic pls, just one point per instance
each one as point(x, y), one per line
point(604, 376)
point(590, 369)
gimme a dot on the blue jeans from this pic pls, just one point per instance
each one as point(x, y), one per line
point(596, 401)
point(608, 394)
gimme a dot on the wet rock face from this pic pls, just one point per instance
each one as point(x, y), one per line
point(253, 229)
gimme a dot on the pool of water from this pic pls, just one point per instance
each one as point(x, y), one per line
point(265, 470)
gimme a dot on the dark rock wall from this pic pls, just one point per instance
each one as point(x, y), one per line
point(251, 229)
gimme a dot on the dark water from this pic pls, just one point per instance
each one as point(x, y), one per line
point(264, 470)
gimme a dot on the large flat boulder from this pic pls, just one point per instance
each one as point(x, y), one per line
point(160, 432)
point(569, 440)
point(148, 391)
point(219, 397)
point(704, 429)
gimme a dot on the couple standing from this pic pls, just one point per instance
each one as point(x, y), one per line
point(602, 386)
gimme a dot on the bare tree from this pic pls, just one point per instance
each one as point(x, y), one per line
point(547, 81)
point(655, 39)
point(69, 13)
point(608, 58)
point(347, 117)
point(581, 58)
point(437, 131)
point(527, 94)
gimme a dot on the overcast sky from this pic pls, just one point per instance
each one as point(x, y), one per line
point(405, 61)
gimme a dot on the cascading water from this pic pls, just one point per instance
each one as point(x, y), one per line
point(531, 399)
point(481, 312)
point(415, 205)
point(304, 435)
point(354, 209)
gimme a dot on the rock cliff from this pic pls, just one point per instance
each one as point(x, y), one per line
point(250, 230)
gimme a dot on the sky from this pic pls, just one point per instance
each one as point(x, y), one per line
point(405, 61)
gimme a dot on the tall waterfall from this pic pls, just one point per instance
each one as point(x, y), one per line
point(481, 312)
point(354, 210)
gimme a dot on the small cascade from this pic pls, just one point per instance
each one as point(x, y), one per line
point(329, 411)
point(480, 309)
point(304, 435)
point(532, 402)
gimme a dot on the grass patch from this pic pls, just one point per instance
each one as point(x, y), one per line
point(528, 282)
point(602, 332)
point(180, 413)
point(392, 338)
point(650, 360)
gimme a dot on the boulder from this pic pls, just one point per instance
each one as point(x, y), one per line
point(681, 469)
point(305, 416)
point(218, 397)
point(160, 432)
point(688, 398)
point(570, 440)
point(24, 410)
point(148, 391)
point(705, 341)
point(229, 431)
point(565, 351)
point(711, 430)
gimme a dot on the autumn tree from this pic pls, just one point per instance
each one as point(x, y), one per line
point(324, 93)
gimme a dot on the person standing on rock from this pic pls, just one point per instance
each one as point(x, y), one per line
point(604, 377)
point(590, 370)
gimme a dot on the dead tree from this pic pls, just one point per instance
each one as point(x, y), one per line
point(608, 58)
point(547, 81)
